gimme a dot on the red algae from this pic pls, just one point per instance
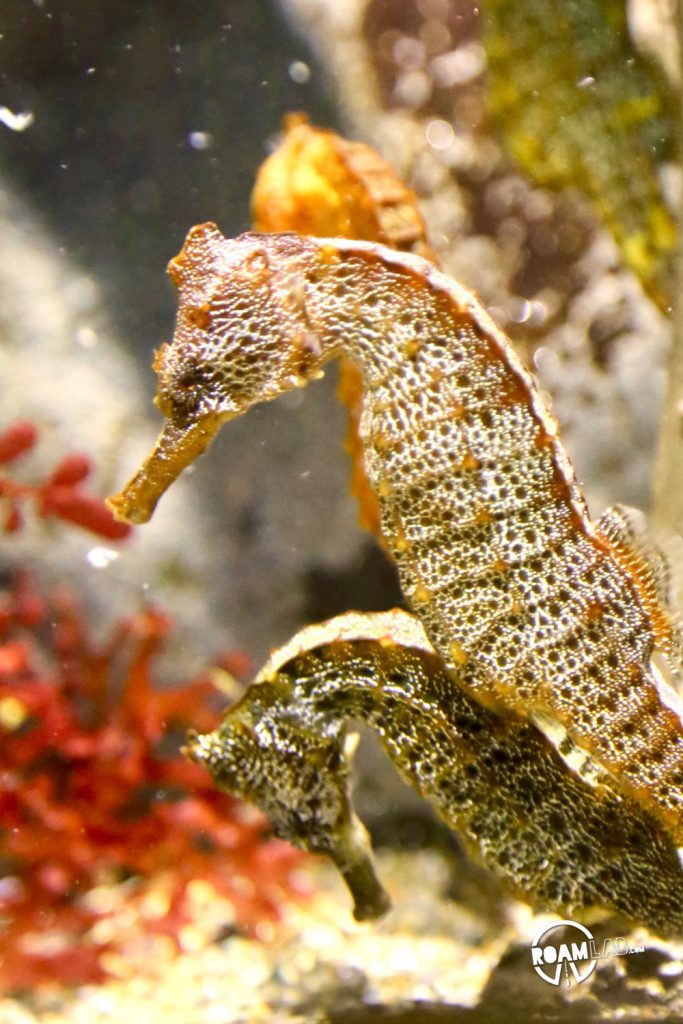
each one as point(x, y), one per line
point(60, 494)
point(93, 788)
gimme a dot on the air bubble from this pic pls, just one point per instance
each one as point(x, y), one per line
point(299, 72)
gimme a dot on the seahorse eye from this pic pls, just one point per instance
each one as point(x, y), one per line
point(190, 388)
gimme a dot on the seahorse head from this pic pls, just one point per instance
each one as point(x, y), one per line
point(288, 763)
point(242, 336)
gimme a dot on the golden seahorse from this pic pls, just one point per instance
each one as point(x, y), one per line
point(576, 104)
point(318, 183)
point(531, 606)
point(496, 551)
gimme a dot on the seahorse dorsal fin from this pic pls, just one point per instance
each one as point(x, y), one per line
point(655, 562)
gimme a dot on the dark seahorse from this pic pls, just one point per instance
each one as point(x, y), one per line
point(561, 839)
point(535, 609)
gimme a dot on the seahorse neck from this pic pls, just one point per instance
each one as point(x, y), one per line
point(361, 308)
point(407, 325)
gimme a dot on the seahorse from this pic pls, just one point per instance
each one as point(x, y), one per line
point(534, 608)
point(623, 113)
point(562, 840)
point(316, 182)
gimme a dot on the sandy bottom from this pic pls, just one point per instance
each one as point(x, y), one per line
point(430, 960)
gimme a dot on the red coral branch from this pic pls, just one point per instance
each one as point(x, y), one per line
point(59, 495)
point(93, 788)
point(17, 440)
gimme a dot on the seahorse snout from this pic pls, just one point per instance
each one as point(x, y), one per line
point(176, 448)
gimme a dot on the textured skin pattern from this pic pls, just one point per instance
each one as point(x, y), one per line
point(561, 842)
point(531, 606)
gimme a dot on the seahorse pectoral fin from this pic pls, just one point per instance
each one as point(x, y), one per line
point(176, 448)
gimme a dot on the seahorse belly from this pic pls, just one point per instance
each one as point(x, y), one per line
point(498, 556)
